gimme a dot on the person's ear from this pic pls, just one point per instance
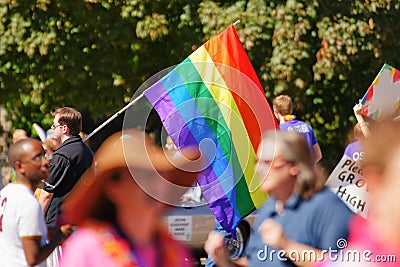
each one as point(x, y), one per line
point(277, 114)
point(65, 129)
point(18, 167)
point(294, 171)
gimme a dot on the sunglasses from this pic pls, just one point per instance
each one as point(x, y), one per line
point(275, 163)
point(38, 158)
point(54, 126)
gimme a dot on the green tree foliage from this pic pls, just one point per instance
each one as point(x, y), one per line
point(90, 54)
point(94, 54)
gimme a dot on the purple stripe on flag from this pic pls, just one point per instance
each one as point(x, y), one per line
point(216, 197)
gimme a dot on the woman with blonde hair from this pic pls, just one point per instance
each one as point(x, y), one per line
point(299, 217)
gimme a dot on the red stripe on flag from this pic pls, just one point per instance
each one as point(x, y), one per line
point(227, 49)
point(396, 76)
point(370, 95)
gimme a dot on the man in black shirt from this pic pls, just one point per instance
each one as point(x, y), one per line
point(68, 162)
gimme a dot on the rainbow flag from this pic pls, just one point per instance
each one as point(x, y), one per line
point(214, 99)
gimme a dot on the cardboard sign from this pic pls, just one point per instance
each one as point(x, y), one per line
point(180, 227)
point(347, 182)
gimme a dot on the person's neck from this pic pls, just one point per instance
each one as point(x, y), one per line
point(282, 198)
point(280, 117)
point(283, 194)
point(140, 230)
point(280, 202)
point(32, 186)
point(65, 138)
point(286, 118)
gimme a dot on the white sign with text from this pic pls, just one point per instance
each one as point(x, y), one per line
point(347, 182)
point(180, 227)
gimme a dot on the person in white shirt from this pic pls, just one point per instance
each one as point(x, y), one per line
point(23, 231)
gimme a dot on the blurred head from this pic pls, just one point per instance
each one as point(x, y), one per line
point(385, 214)
point(381, 168)
point(379, 149)
point(19, 134)
point(27, 156)
point(282, 104)
point(284, 163)
point(67, 121)
point(131, 175)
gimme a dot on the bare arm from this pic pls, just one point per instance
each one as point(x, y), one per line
point(45, 199)
point(316, 152)
point(360, 119)
point(35, 253)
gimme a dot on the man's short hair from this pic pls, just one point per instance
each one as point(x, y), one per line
point(18, 149)
point(70, 117)
point(283, 104)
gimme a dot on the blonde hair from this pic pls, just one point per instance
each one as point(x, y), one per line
point(293, 148)
point(49, 145)
point(283, 104)
point(19, 134)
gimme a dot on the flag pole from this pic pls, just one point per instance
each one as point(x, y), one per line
point(113, 117)
point(124, 108)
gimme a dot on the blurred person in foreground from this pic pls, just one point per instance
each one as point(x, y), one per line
point(23, 231)
point(300, 216)
point(375, 241)
point(283, 110)
point(119, 203)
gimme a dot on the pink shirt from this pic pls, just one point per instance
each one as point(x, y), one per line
point(89, 247)
point(369, 253)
